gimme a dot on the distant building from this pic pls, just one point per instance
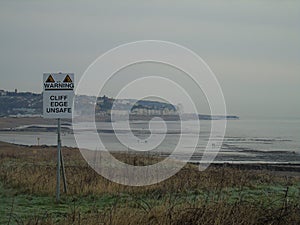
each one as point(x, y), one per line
point(117, 112)
point(3, 93)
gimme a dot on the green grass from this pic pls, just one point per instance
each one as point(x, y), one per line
point(19, 208)
point(216, 196)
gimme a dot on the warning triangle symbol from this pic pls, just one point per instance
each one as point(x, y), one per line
point(68, 79)
point(50, 79)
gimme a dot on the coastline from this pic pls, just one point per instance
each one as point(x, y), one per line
point(285, 169)
point(236, 150)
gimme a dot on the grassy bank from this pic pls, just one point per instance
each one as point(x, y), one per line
point(215, 196)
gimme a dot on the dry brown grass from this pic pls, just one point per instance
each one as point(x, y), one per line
point(189, 197)
point(34, 169)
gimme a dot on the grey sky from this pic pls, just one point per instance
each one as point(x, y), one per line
point(252, 46)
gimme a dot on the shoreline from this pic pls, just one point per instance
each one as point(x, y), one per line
point(286, 168)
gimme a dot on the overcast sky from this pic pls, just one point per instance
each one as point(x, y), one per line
point(252, 47)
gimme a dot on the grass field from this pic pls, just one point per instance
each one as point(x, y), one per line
point(215, 196)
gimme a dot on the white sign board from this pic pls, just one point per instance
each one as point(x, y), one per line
point(58, 95)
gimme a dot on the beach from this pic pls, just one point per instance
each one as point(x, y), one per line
point(246, 141)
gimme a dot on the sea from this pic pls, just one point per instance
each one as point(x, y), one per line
point(246, 140)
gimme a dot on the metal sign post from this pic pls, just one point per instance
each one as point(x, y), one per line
point(57, 103)
point(58, 162)
point(63, 171)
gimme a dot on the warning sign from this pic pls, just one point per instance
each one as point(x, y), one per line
point(50, 79)
point(58, 95)
point(68, 79)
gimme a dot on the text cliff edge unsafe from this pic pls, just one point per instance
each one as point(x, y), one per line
point(58, 95)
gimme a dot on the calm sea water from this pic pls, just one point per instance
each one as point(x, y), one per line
point(245, 140)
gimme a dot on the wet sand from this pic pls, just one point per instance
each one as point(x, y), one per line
point(12, 122)
point(280, 169)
